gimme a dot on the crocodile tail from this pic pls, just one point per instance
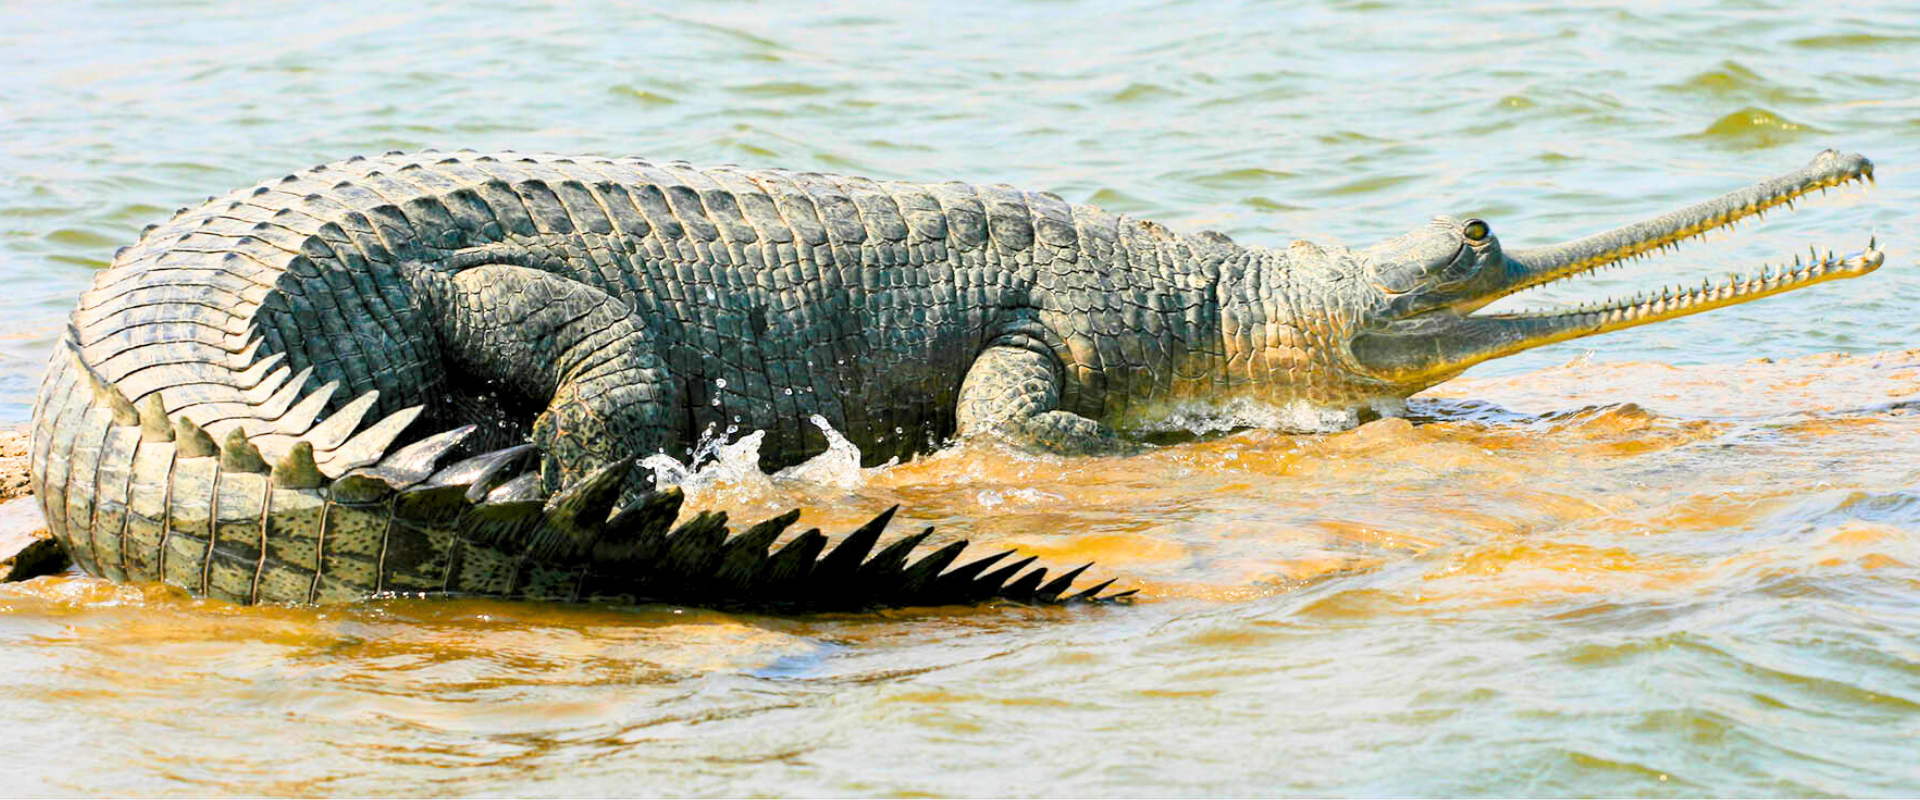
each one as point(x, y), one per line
point(304, 509)
point(138, 494)
point(516, 539)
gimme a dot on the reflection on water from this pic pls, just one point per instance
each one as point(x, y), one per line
point(1639, 564)
point(1537, 588)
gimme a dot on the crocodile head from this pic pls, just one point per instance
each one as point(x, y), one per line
point(1422, 329)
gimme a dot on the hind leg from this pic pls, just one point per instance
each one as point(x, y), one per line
point(578, 352)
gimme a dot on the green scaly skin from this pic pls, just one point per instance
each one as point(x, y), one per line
point(257, 398)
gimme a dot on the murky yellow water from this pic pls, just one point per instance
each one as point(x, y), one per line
point(1533, 588)
point(1643, 564)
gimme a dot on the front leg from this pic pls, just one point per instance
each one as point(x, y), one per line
point(1013, 393)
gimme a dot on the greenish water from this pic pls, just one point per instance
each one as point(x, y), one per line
point(1536, 591)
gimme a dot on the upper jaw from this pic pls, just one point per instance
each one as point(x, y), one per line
point(1422, 349)
point(1533, 266)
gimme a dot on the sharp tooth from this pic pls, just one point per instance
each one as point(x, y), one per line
point(1873, 243)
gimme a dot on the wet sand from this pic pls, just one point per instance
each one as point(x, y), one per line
point(13, 464)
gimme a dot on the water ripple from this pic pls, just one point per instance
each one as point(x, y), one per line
point(1623, 573)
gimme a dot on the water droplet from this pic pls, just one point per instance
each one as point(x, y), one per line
point(715, 403)
point(720, 382)
point(789, 391)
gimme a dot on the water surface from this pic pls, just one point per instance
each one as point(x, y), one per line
point(1642, 564)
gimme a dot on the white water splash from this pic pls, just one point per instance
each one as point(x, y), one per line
point(838, 466)
point(713, 462)
point(716, 462)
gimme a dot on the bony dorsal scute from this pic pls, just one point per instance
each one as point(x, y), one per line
point(154, 425)
point(191, 441)
point(239, 455)
point(584, 505)
point(104, 392)
point(297, 470)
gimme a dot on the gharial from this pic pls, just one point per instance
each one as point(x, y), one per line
point(546, 320)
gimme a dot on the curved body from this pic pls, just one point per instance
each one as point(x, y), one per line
point(252, 401)
point(769, 296)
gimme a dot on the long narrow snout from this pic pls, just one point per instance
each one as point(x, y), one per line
point(1430, 348)
point(1532, 266)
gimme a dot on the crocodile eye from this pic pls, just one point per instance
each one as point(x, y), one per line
point(1476, 231)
